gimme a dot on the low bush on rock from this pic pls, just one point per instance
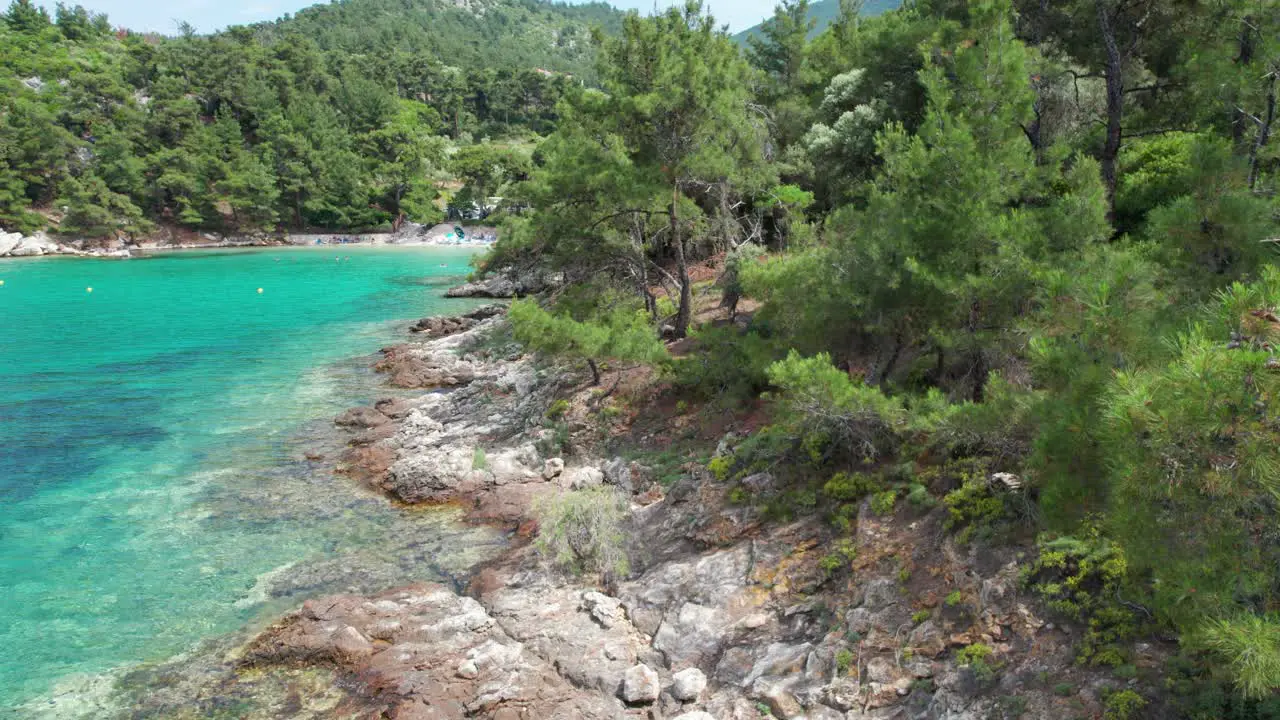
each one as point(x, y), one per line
point(978, 658)
point(979, 509)
point(557, 410)
point(582, 531)
point(1123, 704)
point(1081, 578)
point(829, 414)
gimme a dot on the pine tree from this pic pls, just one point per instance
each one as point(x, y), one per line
point(1196, 476)
point(24, 17)
point(677, 97)
point(619, 333)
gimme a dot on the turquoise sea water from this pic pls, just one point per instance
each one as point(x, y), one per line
point(152, 434)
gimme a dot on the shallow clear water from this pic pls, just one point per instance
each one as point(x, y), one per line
point(152, 432)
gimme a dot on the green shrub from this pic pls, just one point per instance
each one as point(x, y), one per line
point(1200, 687)
point(666, 307)
point(843, 517)
point(1081, 578)
point(978, 658)
point(1076, 576)
point(557, 410)
point(976, 652)
point(1002, 425)
point(763, 450)
point(1154, 171)
point(479, 461)
point(954, 598)
point(805, 499)
point(882, 503)
point(582, 531)
point(840, 558)
point(604, 333)
point(820, 407)
point(1064, 689)
point(844, 661)
point(1122, 704)
point(789, 503)
point(556, 443)
point(1098, 316)
point(1216, 232)
point(720, 467)
point(977, 509)
point(920, 616)
point(730, 365)
point(842, 554)
point(918, 495)
point(850, 487)
point(1012, 706)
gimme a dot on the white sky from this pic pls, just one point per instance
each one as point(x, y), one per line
point(209, 15)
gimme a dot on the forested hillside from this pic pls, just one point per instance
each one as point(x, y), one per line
point(1011, 259)
point(825, 12)
point(477, 34)
point(346, 116)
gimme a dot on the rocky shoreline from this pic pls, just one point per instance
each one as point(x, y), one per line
point(16, 245)
point(40, 244)
point(724, 616)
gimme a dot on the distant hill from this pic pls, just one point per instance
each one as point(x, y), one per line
point(826, 11)
point(345, 115)
point(472, 34)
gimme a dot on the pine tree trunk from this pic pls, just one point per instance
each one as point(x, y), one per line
point(682, 267)
point(642, 281)
point(1115, 105)
point(1264, 131)
point(1245, 56)
point(595, 372)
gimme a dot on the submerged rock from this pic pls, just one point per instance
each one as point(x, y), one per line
point(361, 417)
point(394, 408)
